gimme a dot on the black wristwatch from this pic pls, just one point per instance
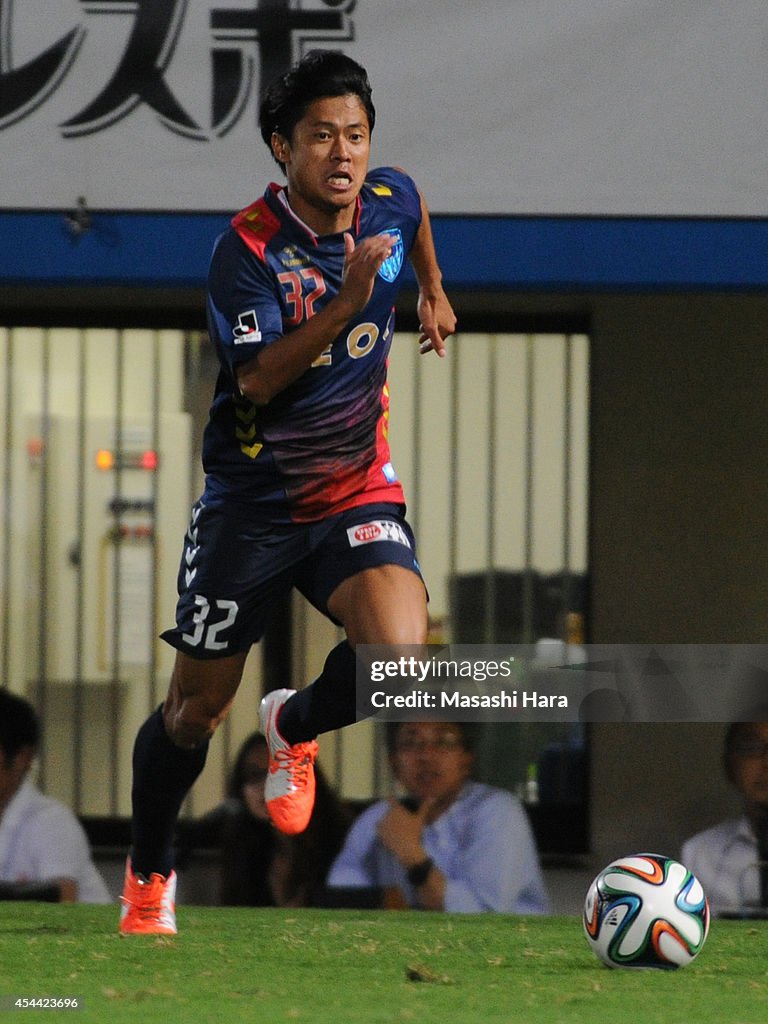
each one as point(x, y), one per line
point(418, 874)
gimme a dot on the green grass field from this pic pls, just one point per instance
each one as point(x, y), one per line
point(345, 967)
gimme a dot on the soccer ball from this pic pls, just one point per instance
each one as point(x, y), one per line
point(646, 911)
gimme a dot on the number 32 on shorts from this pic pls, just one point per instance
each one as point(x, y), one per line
point(208, 632)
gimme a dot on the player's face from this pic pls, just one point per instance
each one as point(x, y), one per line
point(326, 161)
point(430, 760)
point(750, 764)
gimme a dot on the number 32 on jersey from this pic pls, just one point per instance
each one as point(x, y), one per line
point(301, 306)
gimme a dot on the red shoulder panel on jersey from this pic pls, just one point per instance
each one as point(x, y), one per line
point(257, 225)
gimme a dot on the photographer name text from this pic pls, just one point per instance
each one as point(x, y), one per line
point(424, 699)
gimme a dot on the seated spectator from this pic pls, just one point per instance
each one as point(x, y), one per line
point(727, 857)
point(261, 867)
point(450, 843)
point(44, 852)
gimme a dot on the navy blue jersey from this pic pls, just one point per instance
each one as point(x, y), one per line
point(319, 446)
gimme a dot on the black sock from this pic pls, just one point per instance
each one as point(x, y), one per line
point(163, 774)
point(327, 704)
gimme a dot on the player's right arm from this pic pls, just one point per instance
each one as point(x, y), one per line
point(280, 363)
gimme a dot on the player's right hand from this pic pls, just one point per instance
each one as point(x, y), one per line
point(361, 265)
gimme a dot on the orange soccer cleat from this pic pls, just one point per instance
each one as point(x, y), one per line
point(289, 791)
point(148, 905)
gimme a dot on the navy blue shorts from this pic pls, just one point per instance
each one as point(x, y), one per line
point(235, 572)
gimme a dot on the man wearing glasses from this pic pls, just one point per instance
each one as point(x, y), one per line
point(448, 843)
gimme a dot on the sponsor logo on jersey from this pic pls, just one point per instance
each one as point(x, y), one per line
point(291, 256)
point(389, 473)
point(392, 265)
point(376, 530)
point(247, 328)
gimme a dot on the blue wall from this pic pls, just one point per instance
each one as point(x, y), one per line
point(494, 253)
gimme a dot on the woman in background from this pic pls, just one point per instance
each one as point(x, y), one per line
point(261, 867)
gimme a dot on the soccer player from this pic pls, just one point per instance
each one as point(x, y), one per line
point(300, 491)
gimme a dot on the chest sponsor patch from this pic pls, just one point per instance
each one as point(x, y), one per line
point(375, 530)
point(392, 265)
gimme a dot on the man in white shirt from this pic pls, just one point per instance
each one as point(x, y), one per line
point(451, 844)
point(731, 858)
point(44, 852)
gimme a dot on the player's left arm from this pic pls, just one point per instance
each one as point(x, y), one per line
point(436, 316)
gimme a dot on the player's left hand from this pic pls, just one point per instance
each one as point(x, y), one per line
point(436, 321)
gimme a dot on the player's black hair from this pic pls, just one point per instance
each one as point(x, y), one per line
point(320, 73)
point(19, 727)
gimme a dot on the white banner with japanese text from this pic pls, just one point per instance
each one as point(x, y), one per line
point(602, 107)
